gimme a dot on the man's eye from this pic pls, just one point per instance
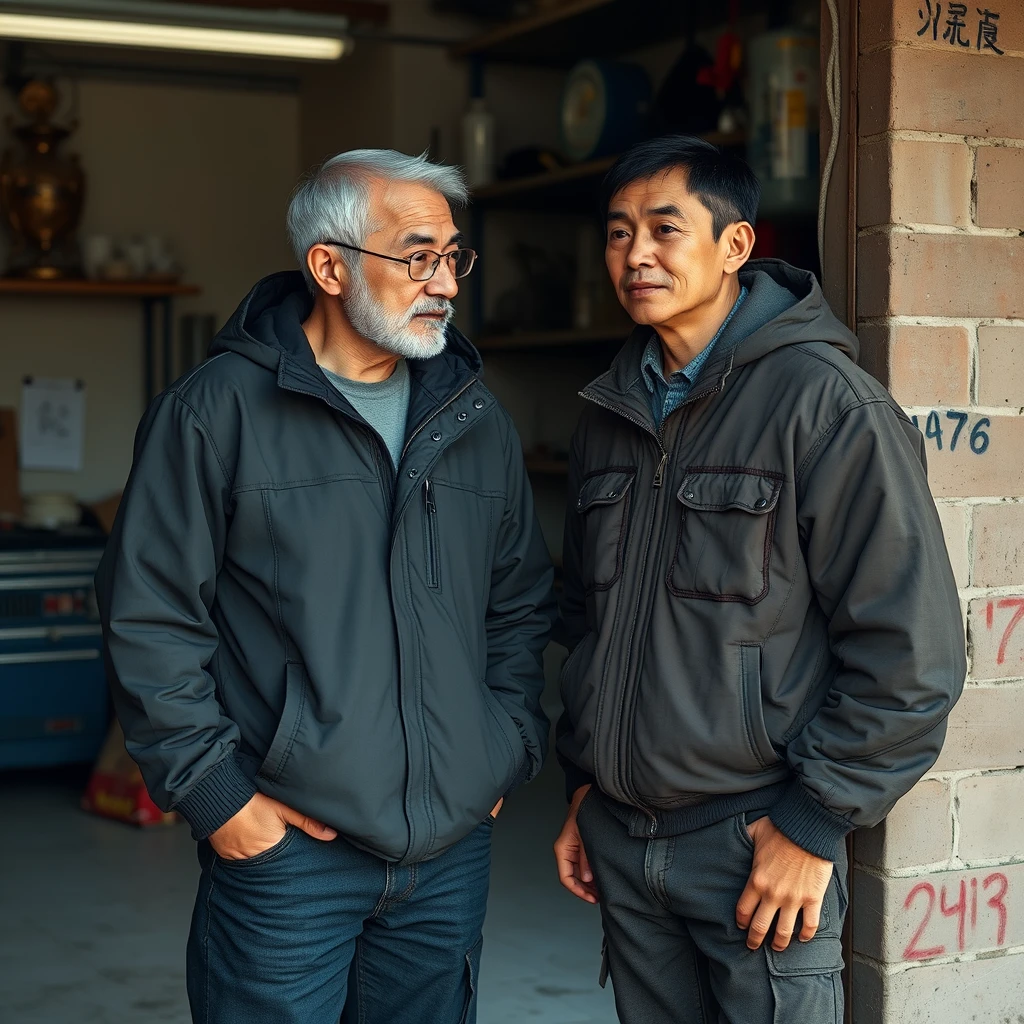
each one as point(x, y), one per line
point(617, 236)
point(420, 257)
point(666, 229)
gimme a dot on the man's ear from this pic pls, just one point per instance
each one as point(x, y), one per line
point(739, 237)
point(328, 270)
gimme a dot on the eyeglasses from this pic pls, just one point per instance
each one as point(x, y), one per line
point(422, 265)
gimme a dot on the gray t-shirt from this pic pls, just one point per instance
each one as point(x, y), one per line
point(383, 404)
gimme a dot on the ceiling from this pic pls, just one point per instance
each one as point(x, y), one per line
point(365, 11)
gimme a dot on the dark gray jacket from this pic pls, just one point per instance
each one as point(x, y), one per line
point(757, 597)
point(285, 613)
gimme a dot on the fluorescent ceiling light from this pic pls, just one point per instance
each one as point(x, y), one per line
point(45, 28)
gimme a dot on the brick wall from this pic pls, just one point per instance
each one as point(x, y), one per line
point(939, 887)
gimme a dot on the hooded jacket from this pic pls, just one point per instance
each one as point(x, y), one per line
point(758, 599)
point(285, 613)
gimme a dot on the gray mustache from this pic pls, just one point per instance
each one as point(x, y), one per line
point(445, 307)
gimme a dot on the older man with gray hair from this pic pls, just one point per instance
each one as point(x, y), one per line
point(325, 602)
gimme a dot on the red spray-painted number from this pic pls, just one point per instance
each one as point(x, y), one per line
point(965, 910)
point(912, 952)
point(1015, 620)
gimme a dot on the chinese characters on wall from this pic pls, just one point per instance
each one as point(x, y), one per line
point(955, 27)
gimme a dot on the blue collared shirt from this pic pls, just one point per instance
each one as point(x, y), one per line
point(668, 395)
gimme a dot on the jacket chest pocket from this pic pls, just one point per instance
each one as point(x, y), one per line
point(726, 527)
point(603, 504)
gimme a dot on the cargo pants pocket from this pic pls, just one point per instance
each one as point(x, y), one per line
point(806, 977)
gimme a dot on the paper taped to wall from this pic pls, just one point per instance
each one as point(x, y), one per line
point(52, 423)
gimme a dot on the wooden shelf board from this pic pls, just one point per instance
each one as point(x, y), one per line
point(527, 340)
point(79, 288)
point(558, 185)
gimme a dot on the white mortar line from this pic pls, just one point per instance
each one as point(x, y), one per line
point(979, 501)
point(1001, 411)
point(901, 967)
point(1016, 683)
point(911, 44)
point(974, 593)
point(910, 228)
point(911, 135)
point(908, 320)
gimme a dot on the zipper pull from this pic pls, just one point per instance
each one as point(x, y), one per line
point(659, 476)
point(428, 498)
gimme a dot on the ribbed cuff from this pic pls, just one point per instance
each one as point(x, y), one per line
point(805, 821)
point(575, 777)
point(219, 795)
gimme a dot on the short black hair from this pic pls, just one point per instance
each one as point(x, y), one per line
point(724, 184)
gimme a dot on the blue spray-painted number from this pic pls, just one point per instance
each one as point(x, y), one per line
point(979, 438)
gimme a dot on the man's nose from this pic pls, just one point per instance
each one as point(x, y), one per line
point(443, 282)
point(640, 253)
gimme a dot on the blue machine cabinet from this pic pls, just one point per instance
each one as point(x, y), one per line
point(54, 705)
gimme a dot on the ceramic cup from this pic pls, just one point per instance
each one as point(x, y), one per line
point(97, 251)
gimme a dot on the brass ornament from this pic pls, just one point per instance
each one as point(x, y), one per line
point(41, 192)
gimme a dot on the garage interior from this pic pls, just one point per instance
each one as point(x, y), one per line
point(185, 160)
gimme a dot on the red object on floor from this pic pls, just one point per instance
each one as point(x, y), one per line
point(116, 789)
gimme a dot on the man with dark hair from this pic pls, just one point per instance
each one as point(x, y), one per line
point(764, 628)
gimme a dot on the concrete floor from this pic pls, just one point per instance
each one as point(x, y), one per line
point(95, 914)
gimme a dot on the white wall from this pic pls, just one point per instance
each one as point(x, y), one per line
point(212, 170)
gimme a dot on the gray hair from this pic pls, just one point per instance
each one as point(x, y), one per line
point(333, 202)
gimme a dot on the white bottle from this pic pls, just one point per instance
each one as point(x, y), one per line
point(479, 154)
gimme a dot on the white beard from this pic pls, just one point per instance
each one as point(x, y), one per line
point(393, 332)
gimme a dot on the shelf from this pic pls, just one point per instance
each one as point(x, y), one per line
point(567, 188)
point(524, 341)
point(538, 466)
point(559, 36)
point(79, 288)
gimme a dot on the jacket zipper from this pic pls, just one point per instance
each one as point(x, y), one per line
point(659, 479)
point(657, 483)
point(433, 555)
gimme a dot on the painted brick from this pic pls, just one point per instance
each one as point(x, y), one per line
point(901, 182)
point(999, 545)
point(984, 730)
point(997, 472)
point(888, 913)
point(996, 629)
point(989, 990)
point(954, 529)
point(940, 275)
point(918, 830)
point(874, 351)
point(868, 993)
point(1000, 176)
point(889, 21)
point(922, 89)
point(929, 365)
point(991, 809)
point(1001, 365)
point(920, 365)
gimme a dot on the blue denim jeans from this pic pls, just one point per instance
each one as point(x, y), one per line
point(312, 932)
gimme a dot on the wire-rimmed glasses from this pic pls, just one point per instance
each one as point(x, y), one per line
point(422, 265)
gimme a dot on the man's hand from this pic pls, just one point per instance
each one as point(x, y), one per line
point(497, 808)
point(261, 824)
point(573, 867)
point(784, 879)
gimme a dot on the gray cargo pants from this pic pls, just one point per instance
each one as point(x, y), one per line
point(673, 948)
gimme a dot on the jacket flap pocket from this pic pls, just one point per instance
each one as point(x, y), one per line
point(604, 488)
point(714, 491)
